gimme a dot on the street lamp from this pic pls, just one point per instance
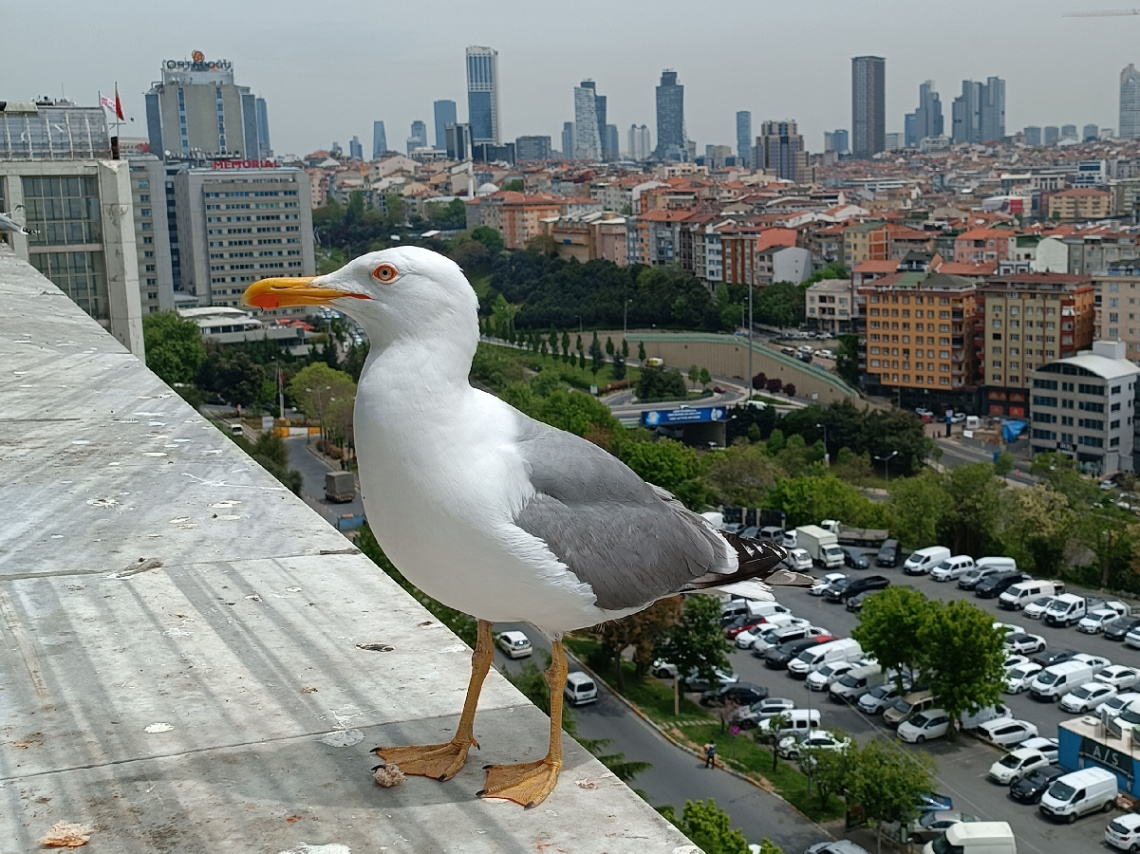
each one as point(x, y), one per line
point(625, 318)
point(579, 323)
point(750, 289)
point(826, 455)
point(886, 461)
point(320, 412)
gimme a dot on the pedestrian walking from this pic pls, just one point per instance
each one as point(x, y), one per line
point(710, 755)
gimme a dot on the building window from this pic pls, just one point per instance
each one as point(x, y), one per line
point(62, 211)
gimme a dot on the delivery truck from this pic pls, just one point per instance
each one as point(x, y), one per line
point(823, 546)
point(340, 486)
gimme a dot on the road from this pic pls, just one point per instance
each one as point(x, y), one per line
point(676, 775)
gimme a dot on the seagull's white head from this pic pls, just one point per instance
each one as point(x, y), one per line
point(396, 294)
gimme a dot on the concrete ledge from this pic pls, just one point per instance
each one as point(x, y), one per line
point(179, 667)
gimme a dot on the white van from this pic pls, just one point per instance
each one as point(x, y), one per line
point(973, 720)
point(1080, 793)
point(1056, 680)
point(975, 837)
point(924, 560)
point(752, 608)
point(1001, 564)
point(952, 567)
point(846, 649)
point(1021, 594)
point(856, 682)
point(795, 722)
point(580, 689)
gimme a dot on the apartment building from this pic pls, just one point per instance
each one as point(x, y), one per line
point(831, 306)
point(588, 237)
point(1080, 204)
point(984, 244)
point(1117, 298)
point(1084, 406)
point(1023, 321)
point(918, 341)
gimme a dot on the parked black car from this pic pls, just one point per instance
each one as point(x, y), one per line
point(889, 554)
point(1030, 788)
point(855, 603)
point(1118, 628)
point(994, 585)
point(1053, 656)
point(777, 657)
point(841, 592)
point(740, 694)
point(855, 558)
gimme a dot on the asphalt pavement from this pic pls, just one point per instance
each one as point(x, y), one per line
point(313, 469)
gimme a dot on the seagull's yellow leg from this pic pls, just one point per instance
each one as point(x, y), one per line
point(529, 783)
point(443, 761)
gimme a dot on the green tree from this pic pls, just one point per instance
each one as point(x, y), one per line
point(489, 238)
point(174, 348)
point(565, 343)
point(694, 374)
point(889, 627)
point(641, 352)
point(827, 769)
point(316, 387)
point(597, 359)
point(709, 827)
point(642, 631)
point(918, 505)
point(659, 383)
point(780, 304)
point(771, 734)
point(396, 211)
point(742, 475)
point(705, 378)
point(888, 783)
point(818, 494)
point(1039, 525)
point(514, 186)
point(609, 347)
point(962, 656)
point(625, 349)
point(697, 642)
point(619, 367)
point(972, 524)
point(847, 359)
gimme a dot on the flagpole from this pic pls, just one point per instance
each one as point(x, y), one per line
point(117, 123)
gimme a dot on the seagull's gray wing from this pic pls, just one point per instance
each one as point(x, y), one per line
point(631, 542)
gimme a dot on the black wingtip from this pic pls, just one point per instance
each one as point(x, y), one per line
point(761, 560)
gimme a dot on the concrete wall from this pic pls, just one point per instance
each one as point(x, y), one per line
point(727, 356)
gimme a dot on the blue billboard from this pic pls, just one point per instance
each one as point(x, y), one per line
point(682, 415)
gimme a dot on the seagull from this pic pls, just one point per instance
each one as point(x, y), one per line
point(7, 224)
point(491, 512)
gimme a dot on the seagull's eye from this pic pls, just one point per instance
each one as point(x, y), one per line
point(385, 273)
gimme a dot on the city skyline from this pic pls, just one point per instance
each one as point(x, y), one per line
point(332, 97)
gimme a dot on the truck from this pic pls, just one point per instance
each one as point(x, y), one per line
point(1068, 609)
point(822, 545)
point(849, 536)
point(340, 486)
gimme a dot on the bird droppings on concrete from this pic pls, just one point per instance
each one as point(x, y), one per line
point(64, 834)
point(586, 784)
point(388, 775)
point(143, 565)
point(334, 848)
point(102, 502)
point(159, 727)
point(342, 738)
point(375, 647)
point(308, 689)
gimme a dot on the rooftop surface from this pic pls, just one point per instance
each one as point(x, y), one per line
point(179, 668)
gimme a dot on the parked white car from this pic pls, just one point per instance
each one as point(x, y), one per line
point(1086, 696)
point(933, 723)
point(1004, 732)
point(1132, 639)
point(826, 581)
point(1113, 706)
point(1124, 832)
point(1015, 765)
point(1093, 623)
point(1097, 662)
point(789, 746)
point(1017, 679)
point(820, 680)
point(515, 644)
point(1035, 609)
point(747, 638)
point(1024, 644)
point(1118, 676)
point(1045, 746)
point(879, 699)
point(1012, 661)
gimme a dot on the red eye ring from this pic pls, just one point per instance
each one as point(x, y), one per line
point(385, 273)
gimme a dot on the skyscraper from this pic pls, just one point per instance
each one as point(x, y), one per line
point(612, 143)
point(670, 118)
point(600, 110)
point(197, 111)
point(532, 148)
point(444, 115)
point(839, 141)
point(587, 134)
point(568, 140)
point(266, 150)
point(744, 138)
point(1051, 134)
point(1089, 133)
point(1130, 102)
point(379, 140)
point(355, 148)
point(868, 105)
point(1032, 135)
point(928, 114)
point(780, 150)
point(909, 125)
point(418, 137)
point(483, 95)
point(639, 143)
point(991, 113)
point(966, 126)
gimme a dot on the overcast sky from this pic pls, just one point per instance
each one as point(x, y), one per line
point(328, 71)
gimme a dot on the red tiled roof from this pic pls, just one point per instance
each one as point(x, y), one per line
point(966, 268)
point(775, 237)
point(876, 266)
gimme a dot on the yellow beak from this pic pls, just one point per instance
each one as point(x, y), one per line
point(282, 292)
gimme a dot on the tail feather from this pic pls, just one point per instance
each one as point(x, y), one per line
point(756, 559)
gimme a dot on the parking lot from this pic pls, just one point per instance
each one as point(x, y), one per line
point(963, 764)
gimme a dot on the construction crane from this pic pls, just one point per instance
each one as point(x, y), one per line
point(1102, 13)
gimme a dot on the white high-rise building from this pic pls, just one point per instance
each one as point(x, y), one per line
point(1130, 102)
point(587, 134)
point(639, 143)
